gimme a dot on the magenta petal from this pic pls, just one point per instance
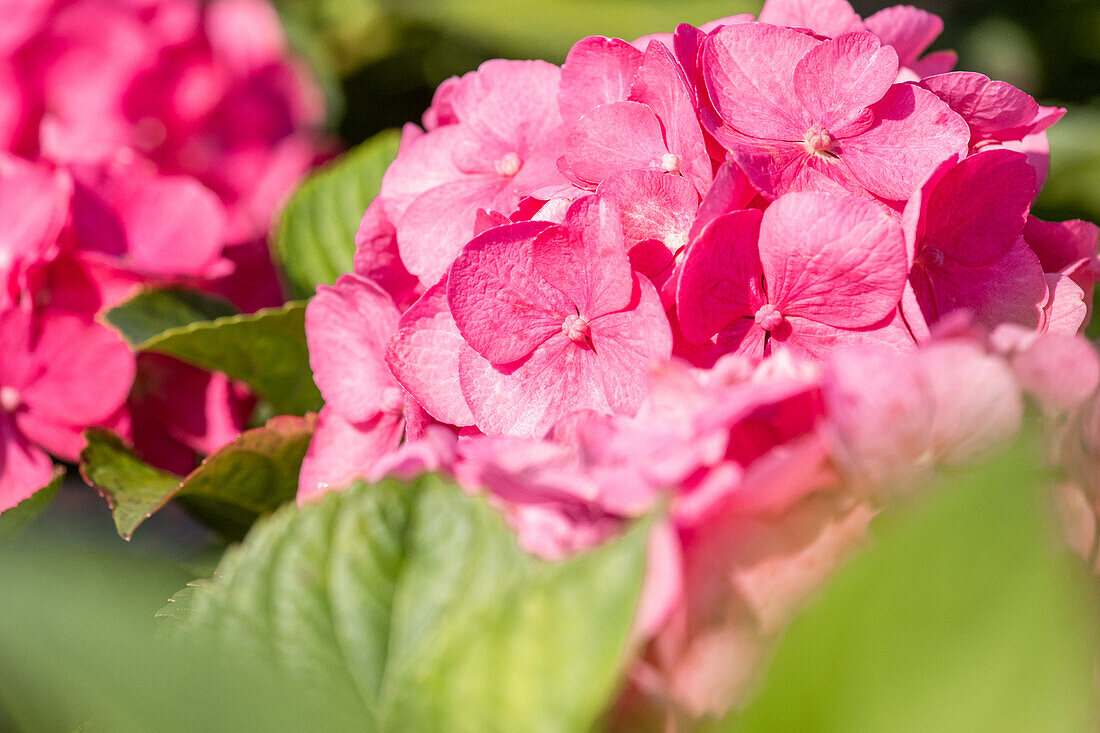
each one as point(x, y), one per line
point(348, 326)
point(440, 221)
point(615, 137)
point(24, 469)
point(377, 258)
point(720, 280)
point(914, 131)
point(837, 79)
point(827, 17)
point(501, 304)
point(586, 259)
point(342, 451)
point(909, 30)
point(72, 354)
point(1011, 290)
point(989, 107)
point(597, 71)
point(661, 86)
point(628, 344)
point(730, 191)
point(976, 209)
point(749, 72)
point(423, 357)
point(833, 259)
point(526, 398)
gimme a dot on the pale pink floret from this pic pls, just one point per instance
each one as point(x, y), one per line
point(964, 234)
point(815, 272)
point(504, 145)
point(801, 114)
point(46, 366)
point(553, 321)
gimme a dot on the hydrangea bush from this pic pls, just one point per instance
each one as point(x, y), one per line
point(745, 285)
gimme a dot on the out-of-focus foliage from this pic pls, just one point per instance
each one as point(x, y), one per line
point(961, 618)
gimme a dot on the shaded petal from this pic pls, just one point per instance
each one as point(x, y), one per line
point(655, 210)
point(1011, 290)
point(818, 341)
point(24, 469)
point(989, 107)
point(615, 137)
point(720, 279)
point(423, 357)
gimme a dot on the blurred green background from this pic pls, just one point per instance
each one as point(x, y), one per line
point(383, 58)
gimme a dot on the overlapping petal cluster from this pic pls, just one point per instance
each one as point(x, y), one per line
point(143, 142)
point(767, 273)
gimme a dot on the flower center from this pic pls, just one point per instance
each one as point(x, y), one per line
point(393, 401)
point(575, 329)
point(932, 257)
point(10, 399)
point(509, 165)
point(819, 141)
point(670, 163)
point(768, 317)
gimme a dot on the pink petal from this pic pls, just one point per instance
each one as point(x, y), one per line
point(730, 191)
point(1066, 309)
point(34, 204)
point(749, 73)
point(586, 259)
point(720, 280)
point(424, 162)
point(818, 341)
point(627, 344)
point(74, 354)
point(1011, 290)
point(656, 210)
point(835, 260)
point(597, 71)
point(974, 211)
point(837, 79)
point(377, 257)
point(827, 17)
point(423, 357)
point(526, 398)
point(348, 326)
point(914, 132)
point(501, 304)
point(1060, 245)
point(1060, 371)
point(439, 222)
point(24, 469)
point(909, 30)
point(342, 451)
point(989, 107)
point(977, 404)
point(615, 137)
point(661, 85)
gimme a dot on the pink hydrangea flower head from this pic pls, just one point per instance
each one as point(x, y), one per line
point(814, 272)
point(801, 114)
point(504, 145)
point(554, 321)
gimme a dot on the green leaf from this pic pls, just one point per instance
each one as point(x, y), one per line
point(960, 618)
point(267, 350)
point(414, 605)
point(19, 517)
point(152, 312)
point(251, 476)
point(315, 241)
